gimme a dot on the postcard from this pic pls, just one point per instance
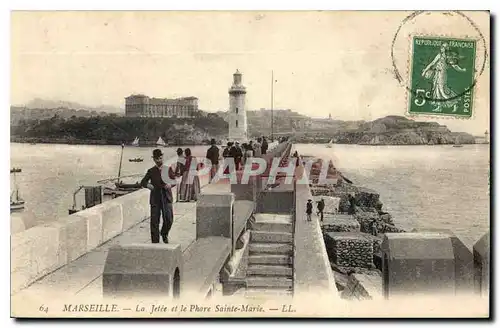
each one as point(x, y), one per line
point(319, 164)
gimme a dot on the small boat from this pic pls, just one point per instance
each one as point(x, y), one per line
point(16, 202)
point(135, 143)
point(329, 144)
point(15, 170)
point(93, 196)
point(137, 159)
point(457, 143)
point(120, 187)
point(160, 142)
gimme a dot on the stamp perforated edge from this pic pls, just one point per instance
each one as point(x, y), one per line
point(408, 73)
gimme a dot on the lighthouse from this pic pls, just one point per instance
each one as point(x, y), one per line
point(237, 112)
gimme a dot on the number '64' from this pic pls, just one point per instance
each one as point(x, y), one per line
point(420, 96)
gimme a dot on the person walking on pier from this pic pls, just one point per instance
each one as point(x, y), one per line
point(309, 209)
point(257, 148)
point(213, 157)
point(160, 198)
point(321, 207)
point(179, 168)
point(264, 146)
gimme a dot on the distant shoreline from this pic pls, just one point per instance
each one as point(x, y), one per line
point(105, 143)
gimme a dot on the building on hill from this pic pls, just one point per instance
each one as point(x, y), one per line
point(144, 106)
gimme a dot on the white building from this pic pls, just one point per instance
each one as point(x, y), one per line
point(237, 113)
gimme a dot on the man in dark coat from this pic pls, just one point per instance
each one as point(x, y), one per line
point(309, 209)
point(213, 157)
point(321, 208)
point(160, 198)
point(264, 146)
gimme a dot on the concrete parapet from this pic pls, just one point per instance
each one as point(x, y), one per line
point(481, 251)
point(35, 252)
point(464, 261)
point(75, 229)
point(203, 261)
point(16, 224)
point(93, 217)
point(214, 215)
point(145, 270)
point(276, 201)
point(312, 270)
point(417, 263)
point(135, 206)
point(242, 212)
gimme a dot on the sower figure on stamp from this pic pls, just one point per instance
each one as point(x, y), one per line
point(160, 198)
point(309, 209)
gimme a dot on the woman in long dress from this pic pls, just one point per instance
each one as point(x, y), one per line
point(179, 168)
point(442, 95)
point(190, 183)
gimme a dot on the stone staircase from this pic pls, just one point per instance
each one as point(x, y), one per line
point(270, 271)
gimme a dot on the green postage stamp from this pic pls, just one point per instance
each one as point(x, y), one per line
point(442, 76)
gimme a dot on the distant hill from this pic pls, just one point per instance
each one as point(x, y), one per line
point(49, 104)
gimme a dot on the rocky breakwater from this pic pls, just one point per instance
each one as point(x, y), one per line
point(353, 224)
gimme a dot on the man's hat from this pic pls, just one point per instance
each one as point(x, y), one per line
point(157, 153)
point(213, 142)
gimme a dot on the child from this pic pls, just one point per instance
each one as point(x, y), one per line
point(309, 209)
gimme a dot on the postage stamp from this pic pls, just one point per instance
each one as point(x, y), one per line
point(442, 76)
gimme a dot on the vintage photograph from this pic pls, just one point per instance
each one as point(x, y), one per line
point(235, 164)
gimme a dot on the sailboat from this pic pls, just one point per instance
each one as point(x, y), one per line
point(457, 143)
point(16, 202)
point(160, 142)
point(135, 143)
point(329, 144)
point(121, 188)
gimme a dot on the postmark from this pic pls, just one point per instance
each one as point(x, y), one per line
point(460, 36)
point(442, 76)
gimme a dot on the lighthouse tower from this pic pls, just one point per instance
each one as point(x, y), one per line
point(237, 112)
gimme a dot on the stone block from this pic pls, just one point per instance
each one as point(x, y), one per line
point(143, 270)
point(481, 252)
point(16, 224)
point(331, 204)
point(349, 249)
point(203, 261)
point(112, 220)
point(214, 215)
point(417, 263)
point(339, 223)
point(35, 252)
point(75, 228)
point(464, 261)
point(93, 217)
point(275, 202)
point(135, 207)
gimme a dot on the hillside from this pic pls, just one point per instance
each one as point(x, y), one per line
point(399, 130)
point(49, 104)
point(112, 129)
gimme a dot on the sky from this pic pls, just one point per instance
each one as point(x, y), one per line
point(336, 63)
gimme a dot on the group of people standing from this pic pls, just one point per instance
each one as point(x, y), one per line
point(241, 153)
point(185, 167)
